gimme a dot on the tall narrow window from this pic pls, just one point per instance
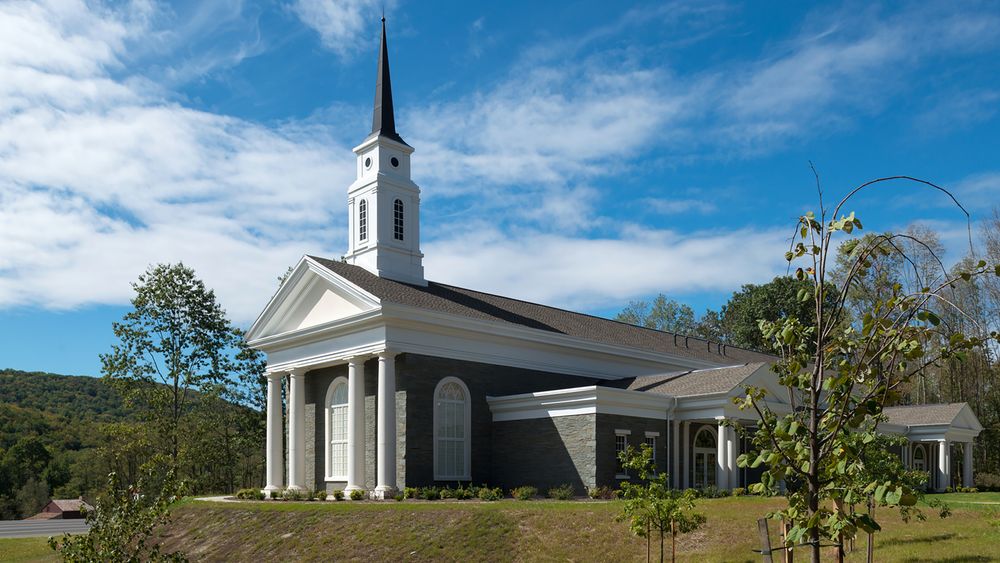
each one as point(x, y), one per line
point(452, 444)
point(363, 220)
point(651, 442)
point(336, 419)
point(397, 219)
point(705, 453)
point(621, 444)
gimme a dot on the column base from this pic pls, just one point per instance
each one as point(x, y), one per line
point(295, 488)
point(383, 492)
point(350, 488)
point(267, 490)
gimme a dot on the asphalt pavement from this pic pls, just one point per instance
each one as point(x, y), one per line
point(34, 528)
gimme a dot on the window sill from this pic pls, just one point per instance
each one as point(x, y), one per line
point(621, 476)
point(453, 478)
point(335, 479)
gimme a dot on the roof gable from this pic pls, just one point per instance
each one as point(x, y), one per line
point(311, 296)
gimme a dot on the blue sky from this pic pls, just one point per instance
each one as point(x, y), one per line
point(577, 154)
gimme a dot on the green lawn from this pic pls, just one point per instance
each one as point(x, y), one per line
point(520, 531)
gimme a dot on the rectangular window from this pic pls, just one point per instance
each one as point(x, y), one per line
point(621, 444)
point(651, 442)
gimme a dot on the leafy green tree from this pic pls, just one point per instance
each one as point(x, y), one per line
point(774, 300)
point(662, 314)
point(652, 505)
point(123, 521)
point(32, 497)
point(180, 359)
point(840, 376)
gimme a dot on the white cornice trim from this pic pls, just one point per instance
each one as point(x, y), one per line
point(591, 399)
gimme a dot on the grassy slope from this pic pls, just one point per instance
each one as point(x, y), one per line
point(522, 531)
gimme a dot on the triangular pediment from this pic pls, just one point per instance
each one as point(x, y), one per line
point(311, 296)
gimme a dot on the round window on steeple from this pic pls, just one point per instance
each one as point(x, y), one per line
point(394, 161)
point(368, 162)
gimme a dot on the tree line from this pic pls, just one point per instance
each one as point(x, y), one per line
point(912, 259)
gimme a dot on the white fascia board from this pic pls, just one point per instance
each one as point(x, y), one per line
point(396, 312)
point(292, 287)
point(328, 351)
point(932, 432)
point(578, 401)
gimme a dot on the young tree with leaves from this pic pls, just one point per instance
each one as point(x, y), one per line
point(841, 376)
point(181, 361)
point(652, 504)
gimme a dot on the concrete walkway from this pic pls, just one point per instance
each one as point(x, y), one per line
point(35, 528)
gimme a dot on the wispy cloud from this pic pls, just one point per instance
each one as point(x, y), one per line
point(340, 23)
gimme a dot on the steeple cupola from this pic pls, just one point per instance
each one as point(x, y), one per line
point(383, 203)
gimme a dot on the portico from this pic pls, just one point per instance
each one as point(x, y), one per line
point(933, 433)
point(355, 427)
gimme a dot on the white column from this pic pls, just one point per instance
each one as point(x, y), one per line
point(731, 448)
point(967, 464)
point(355, 424)
point(675, 463)
point(275, 474)
point(943, 465)
point(686, 449)
point(386, 483)
point(296, 430)
point(721, 443)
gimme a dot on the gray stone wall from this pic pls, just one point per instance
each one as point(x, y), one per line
point(545, 452)
point(418, 375)
point(606, 455)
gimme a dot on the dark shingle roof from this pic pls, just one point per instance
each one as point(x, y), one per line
point(694, 382)
point(485, 306)
point(916, 415)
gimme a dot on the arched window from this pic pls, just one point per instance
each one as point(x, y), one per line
point(336, 430)
point(704, 457)
point(452, 442)
point(363, 220)
point(919, 458)
point(397, 219)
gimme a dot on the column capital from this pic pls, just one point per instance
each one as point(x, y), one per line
point(274, 374)
point(297, 372)
point(387, 354)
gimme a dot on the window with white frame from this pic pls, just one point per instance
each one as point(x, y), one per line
point(397, 219)
point(452, 440)
point(336, 431)
point(651, 442)
point(621, 444)
point(363, 220)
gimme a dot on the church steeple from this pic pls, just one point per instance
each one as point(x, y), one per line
point(383, 203)
point(383, 120)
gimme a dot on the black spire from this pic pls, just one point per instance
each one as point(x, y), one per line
point(383, 121)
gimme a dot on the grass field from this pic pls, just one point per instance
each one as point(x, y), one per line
point(522, 531)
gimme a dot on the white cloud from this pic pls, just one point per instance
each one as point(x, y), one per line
point(341, 24)
point(680, 205)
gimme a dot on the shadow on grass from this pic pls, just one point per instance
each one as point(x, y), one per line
point(922, 539)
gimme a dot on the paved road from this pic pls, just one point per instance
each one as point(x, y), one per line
point(32, 528)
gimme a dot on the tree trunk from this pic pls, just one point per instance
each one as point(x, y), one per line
point(673, 542)
point(871, 537)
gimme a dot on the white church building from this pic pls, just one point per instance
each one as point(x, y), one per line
point(393, 380)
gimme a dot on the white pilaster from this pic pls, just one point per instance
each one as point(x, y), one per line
point(721, 467)
point(296, 430)
point(675, 464)
point(386, 441)
point(686, 449)
point(967, 464)
point(355, 424)
point(275, 473)
point(731, 451)
point(944, 465)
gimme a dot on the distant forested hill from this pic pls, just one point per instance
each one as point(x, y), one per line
point(71, 396)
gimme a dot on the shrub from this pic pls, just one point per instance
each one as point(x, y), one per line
point(488, 494)
point(358, 494)
point(602, 493)
point(739, 492)
point(430, 493)
point(526, 492)
point(399, 497)
point(987, 481)
point(446, 493)
point(309, 495)
point(292, 494)
point(411, 492)
point(465, 493)
point(338, 494)
point(250, 494)
point(320, 494)
point(562, 492)
point(275, 495)
point(712, 492)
